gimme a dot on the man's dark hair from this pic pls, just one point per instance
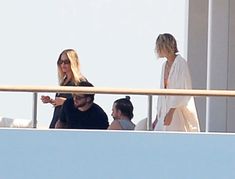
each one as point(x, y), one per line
point(125, 106)
point(87, 84)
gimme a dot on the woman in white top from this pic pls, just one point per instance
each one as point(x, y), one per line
point(174, 113)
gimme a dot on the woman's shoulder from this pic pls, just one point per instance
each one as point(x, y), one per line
point(179, 57)
point(180, 60)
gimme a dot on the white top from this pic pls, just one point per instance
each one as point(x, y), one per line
point(185, 115)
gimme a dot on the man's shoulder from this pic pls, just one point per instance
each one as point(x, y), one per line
point(97, 107)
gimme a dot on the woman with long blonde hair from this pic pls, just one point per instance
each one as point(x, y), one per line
point(69, 74)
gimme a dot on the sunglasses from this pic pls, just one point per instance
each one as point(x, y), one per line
point(77, 97)
point(63, 61)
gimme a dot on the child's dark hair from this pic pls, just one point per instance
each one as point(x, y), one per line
point(125, 106)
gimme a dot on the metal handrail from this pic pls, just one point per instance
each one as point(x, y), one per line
point(107, 90)
point(102, 90)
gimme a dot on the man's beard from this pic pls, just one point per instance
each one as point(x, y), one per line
point(115, 118)
point(79, 105)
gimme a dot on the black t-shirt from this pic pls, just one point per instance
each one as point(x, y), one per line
point(93, 118)
point(57, 109)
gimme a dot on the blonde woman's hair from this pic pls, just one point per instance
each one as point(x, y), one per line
point(77, 77)
point(166, 41)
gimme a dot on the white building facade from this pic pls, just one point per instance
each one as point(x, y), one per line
point(210, 52)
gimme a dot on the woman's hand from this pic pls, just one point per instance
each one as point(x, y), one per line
point(169, 117)
point(58, 101)
point(46, 99)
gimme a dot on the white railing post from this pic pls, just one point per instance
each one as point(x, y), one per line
point(207, 114)
point(35, 97)
point(149, 119)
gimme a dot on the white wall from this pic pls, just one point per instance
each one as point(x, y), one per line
point(231, 67)
point(196, 43)
point(27, 154)
point(210, 48)
point(221, 64)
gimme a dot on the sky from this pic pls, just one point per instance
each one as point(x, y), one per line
point(114, 40)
